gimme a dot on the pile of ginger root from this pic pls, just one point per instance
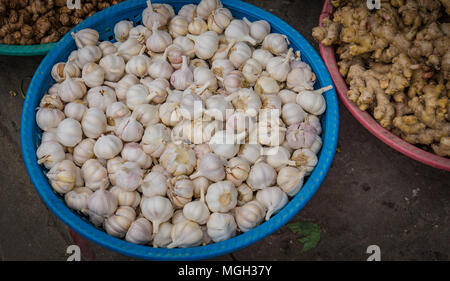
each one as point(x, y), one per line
point(396, 62)
point(28, 22)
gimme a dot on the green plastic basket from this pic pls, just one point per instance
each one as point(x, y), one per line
point(25, 50)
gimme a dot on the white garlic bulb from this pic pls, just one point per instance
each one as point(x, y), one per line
point(68, 132)
point(64, 176)
point(93, 74)
point(133, 152)
point(206, 44)
point(123, 85)
point(159, 40)
point(292, 113)
point(221, 196)
point(162, 238)
point(246, 100)
point(140, 232)
point(130, 48)
point(182, 78)
point(279, 157)
point(48, 118)
point(205, 76)
point(188, 11)
point(186, 44)
point(226, 144)
point(175, 56)
point(300, 79)
point(237, 170)
point(178, 26)
point(50, 153)
point(251, 70)
point(161, 68)
point(273, 199)
point(156, 209)
point(71, 89)
point(150, 17)
point(107, 48)
point(129, 129)
point(222, 67)
point(126, 198)
point(305, 159)
point(210, 166)
point(245, 194)
point(129, 176)
point(290, 180)
point(181, 190)
point(201, 185)
point(122, 30)
point(313, 101)
point(239, 54)
point(196, 211)
point(101, 97)
point(107, 147)
point(114, 67)
point(186, 234)
point(101, 204)
point(138, 94)
point(95, 175)
point(140, 33)
point(75, 110)
point(88, 54)
point(146, 114)
point(261, 175)
point(206, 7)
point(78, 198)
point(118, 224)
point(197, 26)
point(219, 20)
point(116, 111)
point(178, 217)
point(266, 85)
point(317, 145)
point(249, 215)
point(258, 29)
point(301, 135)
point(48, 136)
point(157, 88)
point(221, 227)
point(112, 165)
point(238, 30)
point(218, 107)
point(287, 96)
point(279, 67)
point(178, 159)
point(94, 123)
point(262, 56)
point(85, 37)
point(138, 65)
point(155, 139)
point(191, 105)
point(154, 183)
point(250, 152)
point(240, 122)
point(275, 43)
point(57, 72)
point(83, 151)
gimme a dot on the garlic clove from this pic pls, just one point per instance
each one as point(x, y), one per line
point(290, 180)
point(237, 170)
point(118, 224)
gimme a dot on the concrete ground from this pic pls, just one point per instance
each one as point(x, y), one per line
point(372, 195)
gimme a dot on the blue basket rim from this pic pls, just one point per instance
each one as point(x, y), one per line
point(87, 230)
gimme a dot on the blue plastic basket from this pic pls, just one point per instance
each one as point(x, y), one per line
point(131, 10)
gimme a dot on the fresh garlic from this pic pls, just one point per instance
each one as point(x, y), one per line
point(221, 196)
point(191, 106)
point(305, 159)
point(107, 147)
point(139, 232)
point(88, 54)
point(48, 136)
point(83, 151)
point(273, 199)
point(222, 67)
point(239, 54)
point(155, 139)
point(78, 198)
point(237, 170)
point(223, 51)
point(107, 48)
point(245, 194)
point(301, 135)
point(270, 130)
point(140, 33)
point(258, 29)
point(159, 40)
point(206, 44)
point(123, 85)
point(290, 180)
point(210, 166)
point(201, 185)
point(50, 153)
point(300, 79)
point(181, 191)
point(71, 90)
point(186, 234)
point(178, 217)
point(266, 85)
point(197, 26)
point(53, 90)
point(279, 67)
point(251, 70)
point(95, 175)
point(165, 10)
point(154, 183)
point(219, 20)
point(226, 144)
point(279, 157)
point(250, 152)
point(292, 113)
point(101, 205)
point(170, 113)
point(150, 17)
point(233, 81)
point(112, 165)
point(261, 176)
point(249, 215)
point(49, 118)
point(68, 132)
point(262, 56)
point(272, 103)
point(238, 30)
point(129, 176)
point(58, 73)
point(175, 56)
point(122, 30)
point(275, 43)
point(221, 227)
point(178, 159)
point(93, 75)
point(126, 198)
point(118, 224)
point(317, 145)
point(146, 114)
point(313, 101)
point(162, 238)
point(206, 7)
point(64, 176)
point(156, 209)
point(182, 78)
point(133, 152)
point(240, 122)
point(114, 67)
point(178, 26)
point(246, 100)
point(218, 107)
point(160, 68)
point(188, 11)
point(138, 94)
point(94, 123)
point(187, 44)
point(196, 211)
point(205, 76)
point(287, 96)
point(138, 65)
point(85, 37)
point(100, 97)
point(157, 89)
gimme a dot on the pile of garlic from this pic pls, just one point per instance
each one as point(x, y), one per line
point(187, 130)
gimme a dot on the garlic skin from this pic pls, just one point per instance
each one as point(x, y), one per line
point(140, 33)
point(163, 238)
point(261, 176)
point(122, 30)
point(238, 30)
point(146, 114)
point(107, 147)
point(114, 67)
point(48, 136)
point(118, 224)
point(206, 7)
point(279, 67)
point(233, 81)
point(138, 94)
point(240, 122)
point(250, 152)
point(240, 53)
point(129, 129)
point(206, 44)
point(178, 159)
point(159, 40)
point(221, 196)
point(272, 103)
point(290, 180)
point(292, 113)
point(85, 37)
point(305, 159)
point(210, 166)
point(237, 170)
point(101, 97)
point(155, 139)
point(68, 132)
point(107, 48)
point(64, 176)
point(219, 20)
point(93, 75)
point(196, 211)
point(112, 165)
point(78, 198)
point(70, 90)
point(245, 194)
point(126, 198)
point(58, 73)
point(139, 232)
point(133, 152)
point(221, 227)
point(313, 101)
point(266, 85)
point(287, 96)
point(50, 153)
point(249, 215)
point(204, 76)
point(175, 56)
point(222, 67)
point(101, 204)
point(279, 157)
point(181, 190)
point(128, 49)
point(178, 26)
point(226, 144)
point(301, 135)
point(246, 100)
point(83, 151)
point(201, 185)
point(186, 234)
point(157, 88)
point(188, 11)
point(275, 43)
point(94, 123)
point(156, 209)
point(122, 86)
point(273, 199)
point(138, 65)
point(95, 175)
point(262, 56)
point(154, 184)
point(51, 101)
point(252, 70)
point(129, 176)
point(197, 26)
point(258, 29)
point(182, 78)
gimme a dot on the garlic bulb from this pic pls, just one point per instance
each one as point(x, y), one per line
point(138, 65)
point(71, 90)
point(112, 165)
point(317, 145)
point(175, 56)
point(116, 110)
point(261, 176)
point(221, 226)
point(197, 26)
point(118, 224)
point(122, 30)
point(270, 130)
point(51, 101)
point(114, 67)
point(50, 153)
point(240, 122)
point(233, 81)
point(133, 152)
point(100, 97)
point(222, 67)
point(178, 159)
point(186, 234)
point(300, 79)
point(155, 183)
point(78, 198)
point(48, 136)
point(191, 106)
point(204, 76)
point(187, 44)
point(218, 107)
point(68, 132)
point(130, 48)
point(201, 185)
point(162, 237)
point(219, 20)
point(305, 159)
point(129, 176)
point(250, 152)
point(196, 211)
point(290, 180)
point(279, 67)
point(262, 56)
point(237, 170)
point(246, 100)
point(165, 10)
point(48, 118)
point(181, 190)
point(151, 17)
point(188, 11)
point(93, 75)
point(140, 33)
point(155, 139)
point(107, 147)
point(126, 198)
point(159, 40)
point(178, 26)
point(239, 54)
point(85, 37)
point(156, 209)
point(178, 217)
point(95, 175)
point(301, 135)
point(273, 199)
point(64, 176)
point(249, 215)
point(139, 232)
point(245, 194)
point(206, 44)
point(266, 85)
point(201, 150)
point(272, 103)
point(238, 30)
point(206, 7)
point(221, 196)
point(88, 54)
point(258, 29)
point(292, 113)
point(107, 48)
point(101, 204)
point(146, 114)
point(58, 73)
point(160, 68)
point(157, 89)
point(94, 123)
point(182, 78)
point(226, 144)
point(123, 85)
point(275, 43)
point(313, 101)
point(83, 151)
point(279, 157)
point(287, 96)
point(210, 166)
point(129, 129)
point(251, 70)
